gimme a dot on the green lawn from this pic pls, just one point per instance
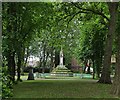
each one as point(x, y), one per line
point(82, 88)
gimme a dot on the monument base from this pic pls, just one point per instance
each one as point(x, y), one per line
point(61, 71)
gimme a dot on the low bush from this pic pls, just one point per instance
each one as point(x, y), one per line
point(7, 84)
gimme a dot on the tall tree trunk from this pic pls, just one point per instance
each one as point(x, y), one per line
point(46, 58)
point(43, 66)
point(11, 51)
point(26, 58)
point(98, 66)
point(20, 60)
point(19, 67)
point(51, 61)
point(40, 63)
point(93, 68)
point(56, 58)
point(105, 76)
point(116, 81)
point(11, 65)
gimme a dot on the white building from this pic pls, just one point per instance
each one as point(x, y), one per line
point(32, 61)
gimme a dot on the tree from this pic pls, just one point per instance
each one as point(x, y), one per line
point(91, 41)
point(20, 30)
point(105, 76)
point(8, 29)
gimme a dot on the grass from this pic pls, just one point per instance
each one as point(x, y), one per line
point(82, 88)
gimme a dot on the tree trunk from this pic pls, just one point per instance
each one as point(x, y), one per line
point(40, 63)
point(98, 66)
point(46, 58)
point(43, 66)
point(11, 51)
point(22, 60)
point(11, 65)
point(51, 63)
point(116, 81)
point(26, 58)
point(105, 76)
point(93, 68)
point(19, 68)
point(56, 58)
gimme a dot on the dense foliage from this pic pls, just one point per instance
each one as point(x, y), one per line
point(7, 84)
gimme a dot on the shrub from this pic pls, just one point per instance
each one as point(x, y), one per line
point(7, 90)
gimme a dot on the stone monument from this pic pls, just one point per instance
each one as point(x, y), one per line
point(30, 75)
point(61, 57)
point(61, 70)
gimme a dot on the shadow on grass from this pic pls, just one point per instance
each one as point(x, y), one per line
point(82, 88)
